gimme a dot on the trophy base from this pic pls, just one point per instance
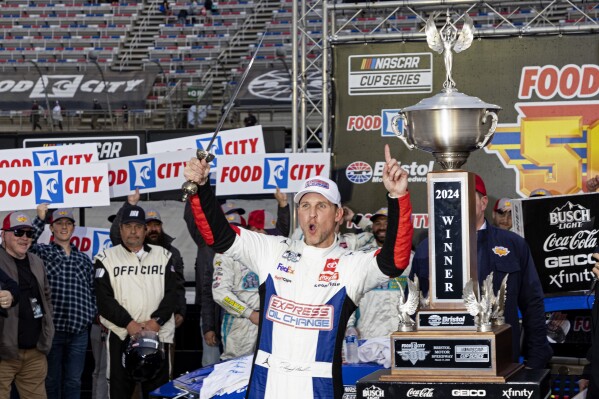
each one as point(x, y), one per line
point(424, 376)
point(452, 355)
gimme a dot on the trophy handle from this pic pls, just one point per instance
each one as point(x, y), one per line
point(491, 131)
point(400, 135)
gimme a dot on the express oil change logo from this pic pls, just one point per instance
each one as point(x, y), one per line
point(48, 186)
point(300, 315)
point(554, 144)
point(360, 172)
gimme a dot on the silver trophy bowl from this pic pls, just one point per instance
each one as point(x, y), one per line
point(450, 125)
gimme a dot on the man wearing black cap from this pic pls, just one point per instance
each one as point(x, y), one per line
point(71, 277)
point(504, 253)
point(136, 289)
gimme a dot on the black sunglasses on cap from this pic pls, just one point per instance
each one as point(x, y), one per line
point(21, 232)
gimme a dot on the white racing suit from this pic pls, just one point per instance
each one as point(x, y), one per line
point(235, 288)
point(306, 297)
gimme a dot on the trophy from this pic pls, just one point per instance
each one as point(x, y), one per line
point(462, 330)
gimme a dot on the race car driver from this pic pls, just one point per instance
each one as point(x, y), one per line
point(308, 289)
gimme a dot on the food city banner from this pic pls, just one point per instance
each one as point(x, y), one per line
point(263, 173)
point(89, 240)
point(62, 155)
point(547, 126)
point(149, 172)
point(68, 186)
point(562, 233)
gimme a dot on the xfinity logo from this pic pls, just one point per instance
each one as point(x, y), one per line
point(517, 393)
point(468, 393)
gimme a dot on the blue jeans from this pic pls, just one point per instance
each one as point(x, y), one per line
point(66, 361)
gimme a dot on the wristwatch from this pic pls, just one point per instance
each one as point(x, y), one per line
point(158, 320)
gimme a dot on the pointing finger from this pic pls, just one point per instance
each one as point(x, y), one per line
point(387, 153)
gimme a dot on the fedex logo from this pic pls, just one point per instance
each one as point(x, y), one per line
point(142, 173)
point(101, 241)
point(276, 172)
point(48, 186)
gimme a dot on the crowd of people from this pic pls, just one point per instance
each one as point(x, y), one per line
point(54, 299)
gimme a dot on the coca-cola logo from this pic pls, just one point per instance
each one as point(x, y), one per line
point(420, 393)
point(582, 239)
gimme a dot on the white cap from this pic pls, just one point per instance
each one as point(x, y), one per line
point(321, 185)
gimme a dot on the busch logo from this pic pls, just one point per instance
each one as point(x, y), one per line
point(45, 158)
point(420, 393)
point(373, 392)
point(517, 393)
point(48, 186)
point(142, 173)
point(569, 216)
point(276, 172)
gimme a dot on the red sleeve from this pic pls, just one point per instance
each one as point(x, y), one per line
point(394, 256)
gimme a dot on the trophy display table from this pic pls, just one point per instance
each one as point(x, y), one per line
point(525, 383)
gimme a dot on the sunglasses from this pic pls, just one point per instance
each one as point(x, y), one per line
point(21, 233)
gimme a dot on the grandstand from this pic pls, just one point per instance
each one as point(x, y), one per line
point(207, 54)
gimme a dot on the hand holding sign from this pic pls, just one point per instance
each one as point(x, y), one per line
point(395, 178)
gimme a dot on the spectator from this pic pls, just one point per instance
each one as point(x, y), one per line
point(208, 10)
point(593, 184)
point(9, 293)
point(250, 120)
point(96, 110)
point(27, 332)
point(144, 297)
point(502, 214)
point(315, 280)
point(71, 277)
point(36, 111)
point(377, 314)
point(182, 16)
point(57, 115)
point(165, 9)
point(125, 111)
point(193, 10)
point(524, 290)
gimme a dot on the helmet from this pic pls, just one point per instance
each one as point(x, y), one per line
point(143, 355)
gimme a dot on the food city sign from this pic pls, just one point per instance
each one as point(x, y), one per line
point(150, 173)
point(61, 186)
point(53, 156)
point(263, 173)
point(89, 240)
point(554, 144)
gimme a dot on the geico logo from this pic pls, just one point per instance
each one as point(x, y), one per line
point(82, 243)
point(361, 122)
point(246, 146)
point(117, 177)
point(75, 159)
point(15, 188)
point(15, 163)
point(468, 392)
point(568, 82)
point(569, 260)
point(168, 170)
point(83, 184)
point(244, 173)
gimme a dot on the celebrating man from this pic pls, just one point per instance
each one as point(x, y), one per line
point(308, 288)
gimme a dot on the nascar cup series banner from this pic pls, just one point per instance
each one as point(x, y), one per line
point(63, 155)
point(89, 240)
point(67, 186)
point(150, 173)
point(562, 233)
point(263, 173)
point(547, 135)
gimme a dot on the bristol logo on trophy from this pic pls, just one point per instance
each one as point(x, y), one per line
point(462, 328)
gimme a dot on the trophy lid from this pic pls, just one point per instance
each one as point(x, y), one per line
point(451, 100)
